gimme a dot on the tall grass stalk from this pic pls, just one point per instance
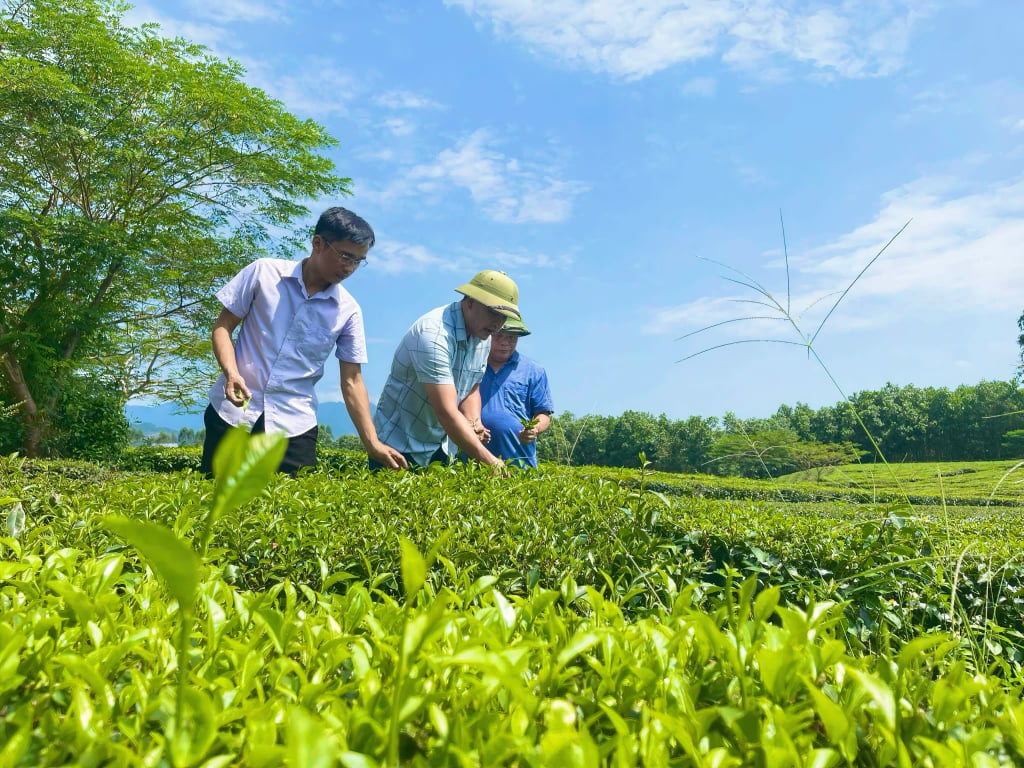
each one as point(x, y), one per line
point(784, 313)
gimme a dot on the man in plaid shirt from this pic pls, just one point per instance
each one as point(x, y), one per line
point(431, 399)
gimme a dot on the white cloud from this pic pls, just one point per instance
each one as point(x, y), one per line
point(632, 40)
point(395, 257)
point(528, 260)
point(960, 256)
point(313, 87)
point(246, 11)
point(398, 126)
point(211, 35)
point(405, 100)
point(506, 189)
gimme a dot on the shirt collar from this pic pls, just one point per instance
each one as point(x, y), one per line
point(333, 292)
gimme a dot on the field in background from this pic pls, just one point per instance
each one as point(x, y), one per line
point(970, 479)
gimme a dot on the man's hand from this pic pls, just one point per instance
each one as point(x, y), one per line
point(482, 432)
point(527, 435)
point(388, 456)
point(235, 390)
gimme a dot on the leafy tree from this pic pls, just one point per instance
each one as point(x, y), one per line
point(349, 442)
point(1020, 343)
point(325, 435)
point(758, 454)
point(631, 434)
point(819, 456)
point(189, 436)
point(137, 172)
point(1013, 443)
point(690, 444)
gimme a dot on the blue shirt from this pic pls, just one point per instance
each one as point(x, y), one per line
point(519, 390)
point(436, 350)
point(285, 338)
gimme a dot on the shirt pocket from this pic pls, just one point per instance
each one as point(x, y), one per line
point(316, 344)
point(516, 396)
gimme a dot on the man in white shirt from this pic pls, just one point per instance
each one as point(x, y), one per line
point(293, 313)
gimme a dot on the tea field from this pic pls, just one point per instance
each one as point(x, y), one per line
point(572, 617)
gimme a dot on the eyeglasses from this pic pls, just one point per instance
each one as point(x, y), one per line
point(353, 261)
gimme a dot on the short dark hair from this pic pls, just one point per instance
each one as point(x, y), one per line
point(339, 223)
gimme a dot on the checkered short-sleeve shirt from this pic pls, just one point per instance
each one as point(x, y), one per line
point(435, 350)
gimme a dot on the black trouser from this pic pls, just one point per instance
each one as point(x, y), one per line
point(301, 450)
point(439, 455)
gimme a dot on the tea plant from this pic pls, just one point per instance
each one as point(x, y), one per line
point(567, 617)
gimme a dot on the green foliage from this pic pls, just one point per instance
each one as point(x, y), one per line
point(349, 443)
point(563, 618)
point(243, 465)
point(160, 459)
point(126, 159)
point(907, 424)
point(1020, 343)
point(88, 422)
point(1013, 443)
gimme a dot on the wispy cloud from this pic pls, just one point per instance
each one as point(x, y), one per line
point(523, 261)
point(405, 100)
point(395, 257)
point(398, 126)
point(959, 256)
point(506, 189)
point(211, 35)
point(310, 87)
point(634, 40)
point(234, 11)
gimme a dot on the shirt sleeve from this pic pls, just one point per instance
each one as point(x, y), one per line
point(351, 347)
point(540, 394)
point(238, 294)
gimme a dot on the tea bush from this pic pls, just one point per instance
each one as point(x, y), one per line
point(453, 618)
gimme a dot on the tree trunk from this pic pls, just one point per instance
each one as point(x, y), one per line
point(30, 416)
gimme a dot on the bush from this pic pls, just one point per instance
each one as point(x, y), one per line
point(90, 421)
point(160, 459)
point(339, 461)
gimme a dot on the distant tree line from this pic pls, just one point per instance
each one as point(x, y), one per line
point(184, 436)
point(984, 421)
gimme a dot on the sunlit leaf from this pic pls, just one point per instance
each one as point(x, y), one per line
point(308, 743)
point(414, 569)
point(242, 467)
point(171, 559)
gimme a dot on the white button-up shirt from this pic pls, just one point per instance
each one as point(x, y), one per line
point(285, 339)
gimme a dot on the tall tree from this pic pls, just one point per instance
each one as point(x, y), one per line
point(1020, 343)
point(137, 172)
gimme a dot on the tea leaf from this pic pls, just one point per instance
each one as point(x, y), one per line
point(170, 558)
point(242, 467)
point(414, 569)
point(308, 743)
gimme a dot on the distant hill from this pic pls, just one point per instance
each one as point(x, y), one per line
point(167, 417)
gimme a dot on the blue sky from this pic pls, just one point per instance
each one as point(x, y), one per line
point(607, 154)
